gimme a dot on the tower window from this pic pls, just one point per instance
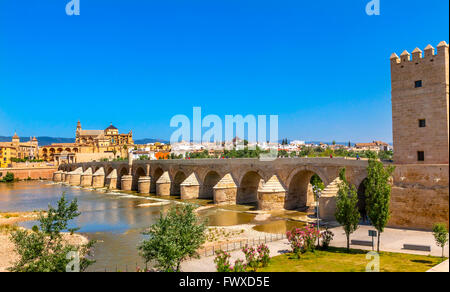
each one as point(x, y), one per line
point(422, 123)
point(420, 156)
point(418, 84)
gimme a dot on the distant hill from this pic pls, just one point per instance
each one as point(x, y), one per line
point(51, 140)
point(42, 140)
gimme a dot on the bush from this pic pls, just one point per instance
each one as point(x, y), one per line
point(9, 177)
point(251, 257)
point(263, 255)
point(174, 238)
point(440, 233)
point(43, 249)
point(327, 237)
point(302, 239)
point(256, 257)
point(222, 261)
point(223, 265)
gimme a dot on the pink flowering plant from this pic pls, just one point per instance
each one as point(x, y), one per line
point(303, 239)
point(223, 264)
point(251, 257)
point(239, 266)
point(222, 261)
point(263, 255)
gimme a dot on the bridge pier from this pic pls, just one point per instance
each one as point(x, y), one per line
point(98, 178)
point(272, 195)
point(75, 177)
point(327, 201)
point(225, 191)
point(67, 177)
point(126, 182)
point(86, 178)
point(163, 185)
point(57, 176)
point(111, 180)
point(190, 187)
point(144, 184)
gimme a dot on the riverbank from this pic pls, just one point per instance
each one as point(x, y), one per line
point(8, 224)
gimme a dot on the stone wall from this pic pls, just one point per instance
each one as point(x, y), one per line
point(420, 196)
point(33, 173)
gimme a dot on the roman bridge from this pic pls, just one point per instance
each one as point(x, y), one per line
point(280, 184)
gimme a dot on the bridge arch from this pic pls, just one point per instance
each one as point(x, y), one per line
point(177, 179)
point(140, 171)
point(121, 172)
point(249, 184)
point(155, 176)
point(211, 178)
point(299, 188)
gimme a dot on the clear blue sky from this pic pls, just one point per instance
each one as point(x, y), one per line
point(322, 66)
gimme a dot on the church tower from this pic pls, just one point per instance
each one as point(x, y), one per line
point(78, 132)
point(420, 105)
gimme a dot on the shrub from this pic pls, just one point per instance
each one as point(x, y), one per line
point(263, 255)
point(222, 261)
point(440, 233)
point(8, 228)
point(327, 237)
point(251, 257)
point(43, 249)
point(9, 177)
point(239, 266)
point(223, 265)
point(302, 239)
point(174, 238)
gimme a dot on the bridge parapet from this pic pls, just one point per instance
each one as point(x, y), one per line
point(203, 178)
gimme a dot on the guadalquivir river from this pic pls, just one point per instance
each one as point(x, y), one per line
point(116, 220)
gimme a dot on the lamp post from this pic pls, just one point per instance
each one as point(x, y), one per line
point(318, 194)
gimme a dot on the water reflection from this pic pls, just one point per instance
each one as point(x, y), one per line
point(117, 220)
point(278, 226)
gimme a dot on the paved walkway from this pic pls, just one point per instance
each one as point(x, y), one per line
point(442, 267)
point(392, 240)
point(206, 264)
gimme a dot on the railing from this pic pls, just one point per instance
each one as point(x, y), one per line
point(204, 252)
point(238, 245)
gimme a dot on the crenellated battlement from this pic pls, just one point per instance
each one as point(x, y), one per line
point(418, 56)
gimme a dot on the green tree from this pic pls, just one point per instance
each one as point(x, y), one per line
point(317, 184)
point(174, 238)
point(347, 213)
point(43, 249)
point(9, 177)
point(440, 233)
point(378, 195)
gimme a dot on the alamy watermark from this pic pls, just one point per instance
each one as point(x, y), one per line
point(73, 7)
point(74, 264)
point(374, 264)
point(373, 7)
point(262, 131)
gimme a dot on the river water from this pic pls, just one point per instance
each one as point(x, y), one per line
point(116, 220)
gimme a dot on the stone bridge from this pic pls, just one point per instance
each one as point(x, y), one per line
point(273, 185)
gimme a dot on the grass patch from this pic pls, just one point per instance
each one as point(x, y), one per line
point(339, 260)
point(9, 215)
point(7, 228)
